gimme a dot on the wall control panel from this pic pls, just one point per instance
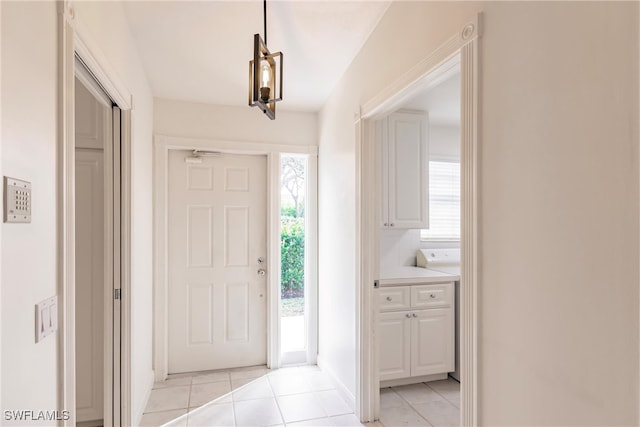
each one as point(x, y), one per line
point(17, 200)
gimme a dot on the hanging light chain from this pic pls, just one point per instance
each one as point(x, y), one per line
point(265, 21)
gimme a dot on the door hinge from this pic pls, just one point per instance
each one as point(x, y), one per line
point(116, 294)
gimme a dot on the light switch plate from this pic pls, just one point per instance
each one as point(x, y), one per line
point(46, 318)
point(17, 200)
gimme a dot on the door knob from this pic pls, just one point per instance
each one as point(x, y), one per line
point(262, 272)
point(261, 260)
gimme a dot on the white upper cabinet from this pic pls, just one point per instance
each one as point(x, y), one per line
point(405, 173)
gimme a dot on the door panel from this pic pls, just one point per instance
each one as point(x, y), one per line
point(200, 314)
point(217, 232)
point(199, 227)
point(236, 232)
point(237, 310)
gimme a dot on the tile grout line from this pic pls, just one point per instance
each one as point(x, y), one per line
point(412, 407)
point(233, 403)
point(443, 396)
point(275, 398)
point(312, 391)
point(415, 410)
point(435, 391)
point(189, 401)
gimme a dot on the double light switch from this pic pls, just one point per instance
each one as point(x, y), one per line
point(46, 318)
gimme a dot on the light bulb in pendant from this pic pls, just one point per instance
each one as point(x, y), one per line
point(265, 78)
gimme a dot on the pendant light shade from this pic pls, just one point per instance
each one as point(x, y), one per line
point(265, 75)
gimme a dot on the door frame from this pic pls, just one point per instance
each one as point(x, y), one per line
point(162, 145)
point(461, 48)
point(74, 39)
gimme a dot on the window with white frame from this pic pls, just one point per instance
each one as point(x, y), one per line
point(444, 202)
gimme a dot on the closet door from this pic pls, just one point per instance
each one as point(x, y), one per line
point(89, 284)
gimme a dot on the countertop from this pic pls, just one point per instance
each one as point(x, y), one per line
point(414, 275)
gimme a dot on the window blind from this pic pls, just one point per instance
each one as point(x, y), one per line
point(444, 201)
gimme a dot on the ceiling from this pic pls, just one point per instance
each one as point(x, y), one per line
point(200, 50)
point(442, 101)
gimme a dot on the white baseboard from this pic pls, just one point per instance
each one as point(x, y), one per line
point(136, 417)
point(342, 389)
point(413, 380)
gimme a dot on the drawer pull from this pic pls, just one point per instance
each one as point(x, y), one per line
point(389, 299)
point(432, 295)
point(408, 315)
point(415, 315)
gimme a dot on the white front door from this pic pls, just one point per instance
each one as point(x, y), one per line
point(217, 235)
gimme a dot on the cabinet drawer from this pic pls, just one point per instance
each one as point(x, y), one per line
point(432, 296)
point(396, 298)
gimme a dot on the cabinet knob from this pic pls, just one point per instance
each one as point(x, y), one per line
point(415, 315)
point(392, 224)
point(432, 295)
point(408, 315)
point(389, 299)
point(385, 224)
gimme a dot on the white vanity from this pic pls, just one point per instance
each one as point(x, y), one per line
point(416, 329)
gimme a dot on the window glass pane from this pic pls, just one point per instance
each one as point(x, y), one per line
point(292, 251)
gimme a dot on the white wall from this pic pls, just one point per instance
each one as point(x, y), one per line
point(567, 173)
point(558, 186)
point(29, 151)
point(29, 257)
point(108, 27)
point(444, 142)
point(399, 247)
point(243, 124)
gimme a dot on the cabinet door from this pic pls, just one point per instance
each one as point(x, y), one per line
point(382, 142)
point(432, 341)
point(408, 170)
point(394, 333)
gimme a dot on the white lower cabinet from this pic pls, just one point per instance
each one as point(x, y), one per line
point(418, 341)
point(394, 331)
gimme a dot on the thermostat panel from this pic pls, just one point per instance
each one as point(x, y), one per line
point(17, 200)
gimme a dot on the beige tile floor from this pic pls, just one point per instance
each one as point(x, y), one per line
point(297, 396)
point(435, 404)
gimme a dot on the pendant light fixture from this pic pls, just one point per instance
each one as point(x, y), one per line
point(265, 74)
